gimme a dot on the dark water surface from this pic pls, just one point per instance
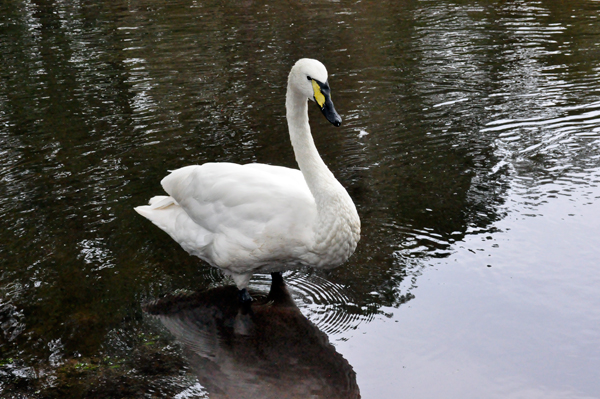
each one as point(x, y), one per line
point(470, 145)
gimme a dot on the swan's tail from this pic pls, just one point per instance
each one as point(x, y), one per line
point(161, 211)
point(162, 202)
point(166, 213)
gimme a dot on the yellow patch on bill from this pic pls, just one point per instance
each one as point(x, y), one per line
point(319, 97)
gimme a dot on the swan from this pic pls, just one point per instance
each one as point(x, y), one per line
point(258, 218)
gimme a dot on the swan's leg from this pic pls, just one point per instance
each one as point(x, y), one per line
point(244, 296)
point(242, 280)
point(279, 292)
point(276, 279)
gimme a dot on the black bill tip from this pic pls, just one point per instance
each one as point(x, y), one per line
point(330, 113)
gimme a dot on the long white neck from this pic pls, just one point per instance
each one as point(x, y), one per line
point(319, 178)
point(337, 229)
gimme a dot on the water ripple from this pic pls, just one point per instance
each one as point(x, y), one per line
point(556, 148)
point(330, 306)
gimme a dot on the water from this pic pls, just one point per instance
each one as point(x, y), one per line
point(470, 145)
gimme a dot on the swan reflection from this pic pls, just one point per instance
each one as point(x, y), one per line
point(266, 350)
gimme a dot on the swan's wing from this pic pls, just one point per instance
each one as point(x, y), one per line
point(254, 208)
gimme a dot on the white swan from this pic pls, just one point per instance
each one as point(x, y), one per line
point(258, 218)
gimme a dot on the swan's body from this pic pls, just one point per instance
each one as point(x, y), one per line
point(259, 218)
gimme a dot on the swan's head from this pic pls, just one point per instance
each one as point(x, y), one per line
point(309, 78)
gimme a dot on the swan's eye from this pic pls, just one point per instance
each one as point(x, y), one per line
point(308, 78)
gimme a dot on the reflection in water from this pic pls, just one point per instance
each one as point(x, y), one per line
point(267, 351)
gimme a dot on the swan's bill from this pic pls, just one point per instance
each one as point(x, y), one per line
point(319, 97)
point(322, 96)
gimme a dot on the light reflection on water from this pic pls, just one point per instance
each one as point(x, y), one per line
point(465, 125)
